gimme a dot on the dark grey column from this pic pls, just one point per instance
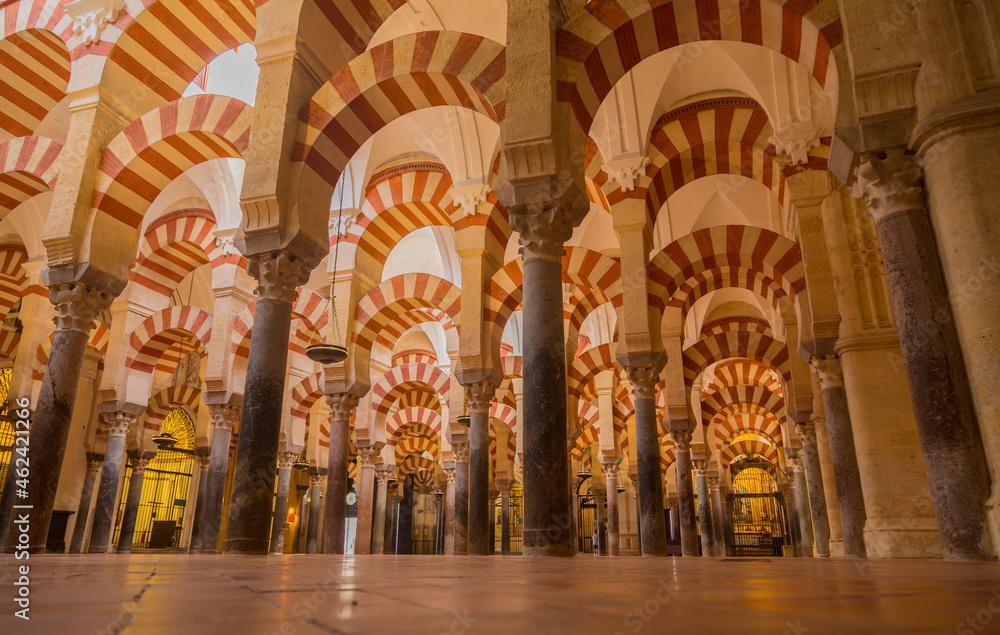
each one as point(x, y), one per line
point(94, 463)
point(77, 306)
point(817, 494)
point(449, 508)
point(404, 519)
point(479, 396)
point(611, 474)
point(285, 460)
point(315, 495)
point(341, 405)
point(505, 519)
point(107, 491)
point(204, 456)
point(802, 505)
point(675, 520)
point(718, 524)
point(685, 492)
point(647, 448)
point(392, 497)
point(131, 512)
point(278, 274)
point(845, 460)
point(461, 526)
point(378, 522)
point(705, 523)
point(939, 386)
point(601, 518)
point(224, 417)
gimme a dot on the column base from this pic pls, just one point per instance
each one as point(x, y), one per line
point(549, 551)
point(902, 538)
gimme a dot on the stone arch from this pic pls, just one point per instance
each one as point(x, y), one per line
point(27, 169)
point(35, 65)
point(402, 378)
point(757, 445)
point(421, 417)
point(163, 401)
point(755, 346)
point(174, 246)
point(149, 343)
point(743, 372)
point(737, 423)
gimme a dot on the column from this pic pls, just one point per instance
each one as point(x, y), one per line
point(707, 528)
point(801, 494)
point(942, 398)
point(598, 492)
point(285, 460)
point(675, 522)
point(404, 519)
point(94, 463)
point(647, 449)
point(685, 492)
point(316, 475)
point(505, 518)
point(342, 406)
point(131, 513)
point(107, 491)
point(382, 474)
point(818, 421)
point(224, 417)
point(461, 526)
point(449, 509)
point(610, 468)
point(809, 454)
point(791, 511)
point(718, 522)
point(300, 535)
point(479, 396)
point(366, 495)
point(392, 503)
point(77, 306)
point(204, 456)
point(278, 274)
point(845, 461)
point(543, 229)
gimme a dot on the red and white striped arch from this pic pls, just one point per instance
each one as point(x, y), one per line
point(13, 285)
point(758, 445)
point(420, 398)
point(586, 366)
point(164, 330)
point(678, 272)
point(393, 307)
point(581, 304)
point(737, 423)
point(422, 420)
point(414, 356)
point(416, 463)
point(513, 366)
point(741, 323)
point(34, 64)
point(303, 397)
point(416, 444)
point(409, 73)
point(597, 47)
point(161, 403)
point(401, 379)
point(749, 398)
point(27, 168)
point(589, 416)
point(759, 348)
point(174, 246)
point(743, 372)
point(504, 413)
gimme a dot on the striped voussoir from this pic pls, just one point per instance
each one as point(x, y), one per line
point(504, 413)
point(748, 324)
point(735, 344)
point(748, 447)
point(586, 366)
point(738, 423)
point(303, 396)
point(409, 73)
point(412, 420)
point(34, 74)
point(27, 168)
point(597, 47)
point(400, 379)
point(152, 345)
point(13, 286)
point(513, 366)
point(352, 450)
point(416, 463)
point(741, 399)
point(580, 305)
point(161, 50)
point(742, 372)
point(414, 356)
point(161, 403)
point(416, 444)
point(310, 310)
point(392, 307)
point(511, 450)
point(174, 246)
point(668, 454)
point(161, 145)
point(587, 438)
point(419, 398)
point(683, 269)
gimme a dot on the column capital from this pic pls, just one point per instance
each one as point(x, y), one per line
point(342, 405)
point(369, 456)
point(119, 423)
point(505, 488)
point(682, 439)
point(795, 463)
point(461, 452)
point(829, 371)
point(611, 469)
point(77, 306)
point(543, 229)
point(139, 464)
point(278, 274)
point(449, 474)
point(382, 475)
point(625, 171)
point(224, 416)
point(699, 466)
point(714, 479)
point(315, 480)
point(94, 463)
point(480, 395)
point(807, 433)
point(285, 460)
point(891, 186)
point(643, 380)
point(203, 461)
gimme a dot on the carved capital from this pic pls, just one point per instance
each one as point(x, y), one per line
point(139, 464)
point(94, 464)
point(891, 186)
point(316, 480)
point(543, 229)
point(611, 470)
point(278, 274)
point(795, 463)
point(480, 396)
point(224, 416)
point(119, 423)
point(449, 474)
point(285, 460)
point(624, 172)
point(807, 433)
point(796, 142)
point(461, 452)
point(90, 17)
point(203, 461)
point(829, 371)
point(714, 478)
point(382, 476)
point(369, 456)
point(342, 405)
point(77, 306)
point(682, 440)
point(643, 380)
point(468, 199)
point(699, 467)
point(348, 218)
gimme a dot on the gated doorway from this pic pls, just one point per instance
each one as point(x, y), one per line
point(755, 511)
point(586, 520)
point(516, 520)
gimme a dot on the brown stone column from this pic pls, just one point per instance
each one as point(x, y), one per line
point(105, 508)
point(801, 494)
point(705, 524)
point(278, 273)
point(942, 400)
point(224, 417)
point(94, 463)
point(461, 524)
point(787, 490)
point(366, 494)
point(449, 510)
point(316, 475)
point(342, 405)
point(382, 475)
point(814, 483)
point(647, 449)
point(611, 474)
point(479, 396)
point(204, 456)
point(131, 512)
point(285, 460)
point(685, 492)
point(718, 522)
point(543, 229)
point(845, 460)
point(391, 502)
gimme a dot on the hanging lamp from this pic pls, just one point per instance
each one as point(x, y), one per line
point(165, 440)
point(333, 353)
point(464, 419)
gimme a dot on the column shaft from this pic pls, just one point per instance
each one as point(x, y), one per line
point(366, 506)
point(86, 498)
point(107, 492)
point(479, 481)
point(685, 493)
point(131, 513)
point(718, 515)
point(337, 476)
point(461, 526)
point(505, 520)
point(404, 520)
point(378, 522)
point(803, 513)
point(647, 448)
point(707, 529)
point(281, 505)
point(611, 486)
point(312, 533)
point(215, 479)
point(449, 511)
point(817, 496)
point(199, 504)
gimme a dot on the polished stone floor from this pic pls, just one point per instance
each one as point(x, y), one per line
point(171, 593)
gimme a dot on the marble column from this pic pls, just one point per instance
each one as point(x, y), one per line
point(610, 469)
point(132, 498)
point(705, 524)
point(285, 460)
point(105, 509)
point(382, 475)
point(392, 497)
point(438, 522)
point(818, 420)
point(505, 519)
point(814, 483)
point(278, 273)
point(461, 524)
point(315, 496)
point(543, 228)
point(675, 522)
point(718, 515)
point(342, 405)
point(204, 456)
point(94, 463)
point(77, 306)
point(599, 517)
point(449, 509)
point(685, 492)
point(647, 448)
point(224, 417)
point(479, 396)
point(939, 386)
point(404, 519)
point(366, 495)
point(801, 494)
point(791, 512)
point(300, 535)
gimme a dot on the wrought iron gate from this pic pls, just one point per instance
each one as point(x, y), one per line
point(755, 511)
point(586, 521)
point(516, 521)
